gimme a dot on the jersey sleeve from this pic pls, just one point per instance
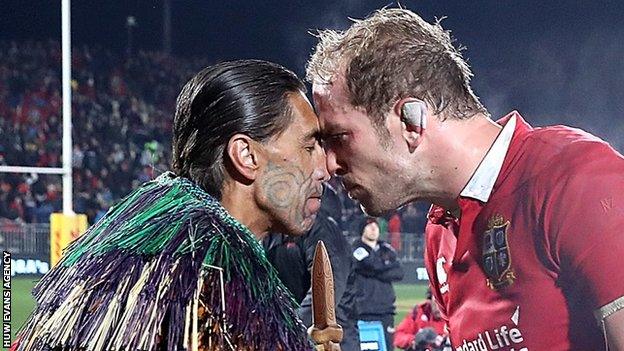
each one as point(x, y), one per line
point(585, 219)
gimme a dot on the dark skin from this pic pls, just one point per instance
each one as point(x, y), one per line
point(276, 185)
point(285, 184)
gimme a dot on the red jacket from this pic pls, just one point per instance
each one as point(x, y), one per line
point(420, 317)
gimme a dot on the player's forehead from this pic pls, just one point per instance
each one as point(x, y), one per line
point(330, 96)
point(304, 124)
point(334, 109)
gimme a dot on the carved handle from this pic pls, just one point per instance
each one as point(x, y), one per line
point(329, 346)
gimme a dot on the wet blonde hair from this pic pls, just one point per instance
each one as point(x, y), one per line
point(393, 54)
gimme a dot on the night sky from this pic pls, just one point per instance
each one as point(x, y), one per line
point(554, 61)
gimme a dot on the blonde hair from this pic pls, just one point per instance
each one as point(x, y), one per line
point(393, 54)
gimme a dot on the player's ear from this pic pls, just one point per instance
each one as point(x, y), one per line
point(243, 153)
point(413, 114)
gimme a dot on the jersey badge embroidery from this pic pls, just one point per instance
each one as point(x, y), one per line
point(496, 257)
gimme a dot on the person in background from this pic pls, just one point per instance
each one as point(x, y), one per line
point(414, 218)
point(376, 268)
point(394, 231)
point(425, 315)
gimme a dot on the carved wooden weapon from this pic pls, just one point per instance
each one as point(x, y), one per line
point(325, 332)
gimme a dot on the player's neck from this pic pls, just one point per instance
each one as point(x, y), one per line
point(471, 140)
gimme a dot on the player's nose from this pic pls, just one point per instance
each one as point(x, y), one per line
point(333, 166)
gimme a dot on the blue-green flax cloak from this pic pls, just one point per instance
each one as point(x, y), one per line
point(167, 268)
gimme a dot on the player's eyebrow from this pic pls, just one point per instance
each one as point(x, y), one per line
point(330, 129)
point(312, 134)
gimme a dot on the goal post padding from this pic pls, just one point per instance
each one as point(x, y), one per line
point(63, 230)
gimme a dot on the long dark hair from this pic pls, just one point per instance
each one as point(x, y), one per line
point(244, 96)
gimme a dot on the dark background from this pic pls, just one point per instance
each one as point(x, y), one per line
point(556, 62)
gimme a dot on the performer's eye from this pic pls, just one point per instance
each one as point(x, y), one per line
point(311, 147)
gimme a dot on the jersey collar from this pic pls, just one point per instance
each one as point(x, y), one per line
point(482, 182)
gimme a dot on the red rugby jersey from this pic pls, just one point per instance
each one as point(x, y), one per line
point(527, 268)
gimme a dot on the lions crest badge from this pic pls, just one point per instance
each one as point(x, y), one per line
point(496, 259)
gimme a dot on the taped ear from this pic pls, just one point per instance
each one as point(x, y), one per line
point(414, 113)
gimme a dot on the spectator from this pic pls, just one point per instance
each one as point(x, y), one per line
point(414, 218)
point(376, 268)
point(424, 315)
point(119, 105)
point(394, 231)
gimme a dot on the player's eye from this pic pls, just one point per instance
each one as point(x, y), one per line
point(335, 139)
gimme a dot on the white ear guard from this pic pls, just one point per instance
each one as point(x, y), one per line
point(414, 113)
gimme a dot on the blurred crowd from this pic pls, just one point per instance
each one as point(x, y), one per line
point(123, 109)
point(122, 115)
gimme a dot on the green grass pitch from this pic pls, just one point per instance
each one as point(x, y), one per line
point(22, 301)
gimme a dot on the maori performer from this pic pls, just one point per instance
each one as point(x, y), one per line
point(177, 264)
